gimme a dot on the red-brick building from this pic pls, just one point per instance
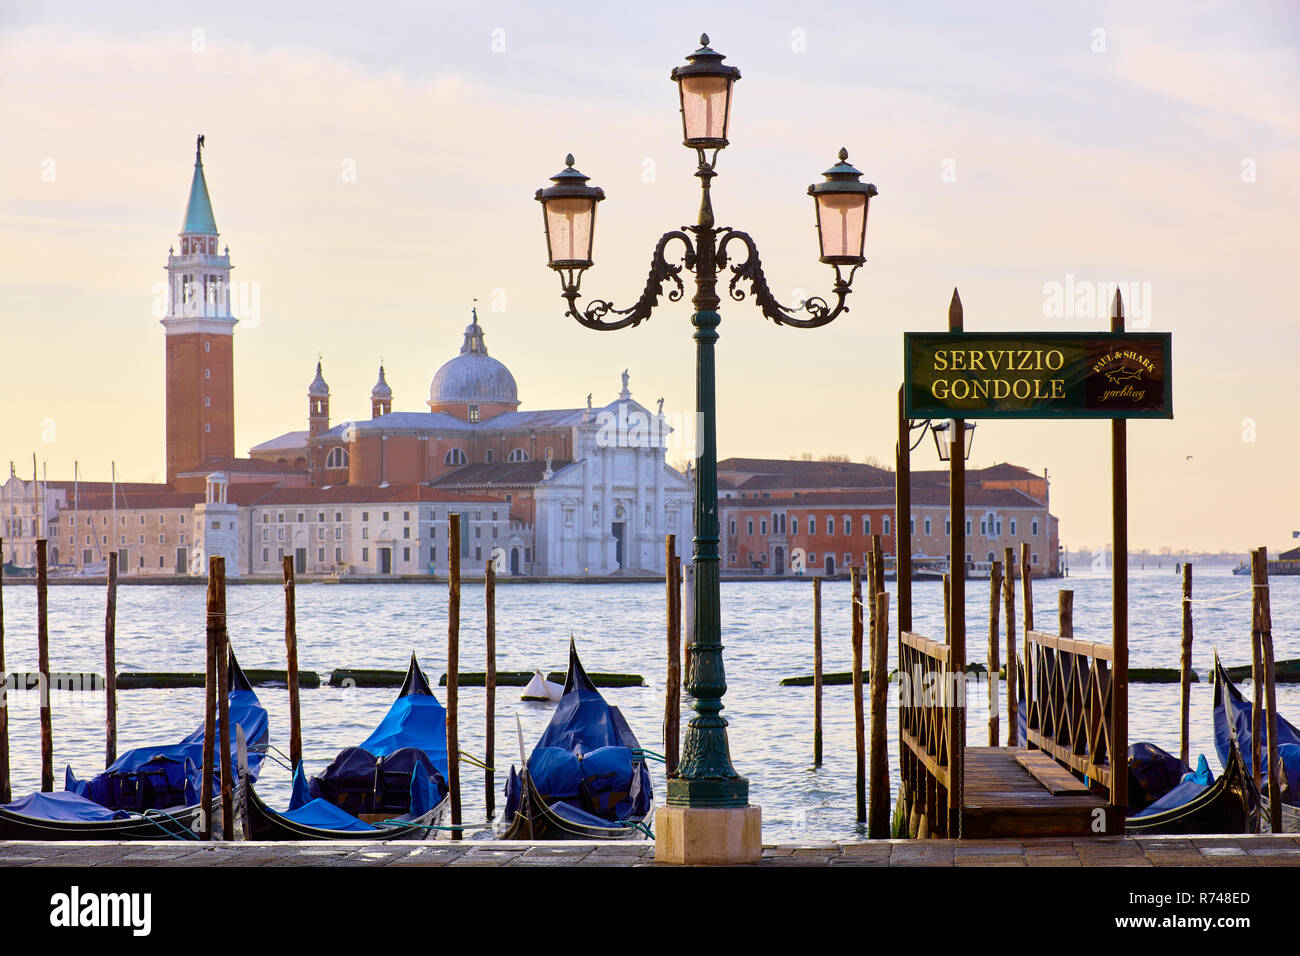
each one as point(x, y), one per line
point(782, 517)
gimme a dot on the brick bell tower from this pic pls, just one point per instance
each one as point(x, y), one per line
point(199, 331)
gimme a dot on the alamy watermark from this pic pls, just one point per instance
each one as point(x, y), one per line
point(1084, 299)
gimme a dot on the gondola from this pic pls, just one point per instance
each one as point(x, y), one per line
point(586, 778)
point(1199, 804)
point(392, 787)
point(148, 793)
point(1232, 719)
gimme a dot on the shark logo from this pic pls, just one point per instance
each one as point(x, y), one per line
point(1124, 374)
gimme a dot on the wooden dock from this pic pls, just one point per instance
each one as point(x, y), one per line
point(1012, 793)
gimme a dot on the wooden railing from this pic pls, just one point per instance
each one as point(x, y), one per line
point(928, 701)
point(1069, 704)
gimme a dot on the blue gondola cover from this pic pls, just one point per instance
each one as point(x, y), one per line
point(325, 816)
point(65, 806)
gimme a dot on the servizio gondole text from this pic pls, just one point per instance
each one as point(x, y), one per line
point(1007, 361)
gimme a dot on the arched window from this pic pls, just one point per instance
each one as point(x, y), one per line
point(337, 458)
point(518, 454)
point(454, 457)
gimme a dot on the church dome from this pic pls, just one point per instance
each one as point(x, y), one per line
point(473, 376)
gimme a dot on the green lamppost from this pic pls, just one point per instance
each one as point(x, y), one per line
point(706, 780)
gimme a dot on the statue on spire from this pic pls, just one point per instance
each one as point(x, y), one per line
point(625, 394)
point(198, 147)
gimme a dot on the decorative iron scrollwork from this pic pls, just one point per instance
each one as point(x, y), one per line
point(751, 271)
point(661, 271)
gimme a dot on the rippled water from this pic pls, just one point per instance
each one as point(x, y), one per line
point(619, 627)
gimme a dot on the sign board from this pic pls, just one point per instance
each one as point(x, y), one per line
point(1038, 374)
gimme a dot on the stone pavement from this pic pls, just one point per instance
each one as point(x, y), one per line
point(1212, 851)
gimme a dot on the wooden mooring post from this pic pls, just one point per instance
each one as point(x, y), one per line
point(995, 641)
point(1026, 584)
point(1262, 616)
point(1119, 613)
point(453, 673)
point(1185, 674)
point(490, 688)
point(43, 665)
point(224, 736)
point(110, 664)
point(1013, 697)
point(859, 730)
point(291, 658)
point(1256, 675)
point(673, 682)
point(878, 808)
point(5, 792)
point(215, 619)
point(817, 672)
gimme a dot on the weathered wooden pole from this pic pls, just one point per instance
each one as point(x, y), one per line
point(215, 620)
point(817, 672)
point(43, 665)
point(903, 514)
point(490, 686)
point(1265, 615)
point(878, 819)
point(453, 674)
point(1065, 612)
point(5, 793)
point(859, 730)
point(957, 610)
point(224, 736)
point(1256, 674)
point(110, 665)
point(947, 605)
point(1185, 676)
point(1026, 584)
point(1013, 697)
point(673, 683)
point(1119, 617)
point(995, 641)
point(291, 653)
point(903, 563)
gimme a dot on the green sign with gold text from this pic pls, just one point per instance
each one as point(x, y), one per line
point(1038, 374)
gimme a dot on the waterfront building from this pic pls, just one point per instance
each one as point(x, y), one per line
point(782, 517)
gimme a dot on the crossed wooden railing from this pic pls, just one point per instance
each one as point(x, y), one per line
point(927, 705)
point(1069, 700)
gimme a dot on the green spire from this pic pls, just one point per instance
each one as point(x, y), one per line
point(198, 213)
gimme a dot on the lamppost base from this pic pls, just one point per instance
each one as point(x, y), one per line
point(708, 837)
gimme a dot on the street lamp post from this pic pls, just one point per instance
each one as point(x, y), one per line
point(706, 781)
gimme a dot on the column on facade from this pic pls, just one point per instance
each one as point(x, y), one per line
point(642, 533)
point(607, 510)
point(588, 496)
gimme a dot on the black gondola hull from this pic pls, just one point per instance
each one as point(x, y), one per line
point(181, 823)
point(265, 824)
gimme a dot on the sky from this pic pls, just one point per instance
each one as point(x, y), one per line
point(372, 169)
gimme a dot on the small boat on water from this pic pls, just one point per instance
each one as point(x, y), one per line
point(1232, 719)
point(586, 778)
point(1199, 803)
point(541, 689)
point(391, 787)
point(148, 793)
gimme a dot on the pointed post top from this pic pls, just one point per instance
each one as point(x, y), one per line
point(955, 316)
point(1117, 313)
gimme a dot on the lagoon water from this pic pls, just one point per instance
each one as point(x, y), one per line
point(618, 627)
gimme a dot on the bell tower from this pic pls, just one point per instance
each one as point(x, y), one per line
point(199, 330)
point(381, 397)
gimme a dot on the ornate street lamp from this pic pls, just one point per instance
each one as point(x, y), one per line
point(943, 439)
point(705, 777)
